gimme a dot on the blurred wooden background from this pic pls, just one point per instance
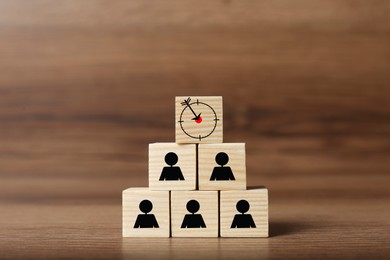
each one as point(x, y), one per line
point(86, 85)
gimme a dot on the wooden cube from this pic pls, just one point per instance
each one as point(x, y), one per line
point(199, 119)
point(222, 166)
point(172, 166)
point(194, 213)
point(145, 213)
point(244, 213)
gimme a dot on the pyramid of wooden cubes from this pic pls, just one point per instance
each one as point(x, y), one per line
point(197, 185)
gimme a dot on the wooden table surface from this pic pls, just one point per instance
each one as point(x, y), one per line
point(86, 85)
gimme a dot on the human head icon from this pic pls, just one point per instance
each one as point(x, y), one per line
point(242, 206)
point(193, 206)
point(146, 206)
point(221, 158)
point(171, 159)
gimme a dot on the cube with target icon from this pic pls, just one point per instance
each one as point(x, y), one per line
point(199, 119)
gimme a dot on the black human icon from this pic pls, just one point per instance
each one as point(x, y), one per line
point(171, 173)
point(221, 173)
point(146, 220)
point(193, 220)
point(243, 220)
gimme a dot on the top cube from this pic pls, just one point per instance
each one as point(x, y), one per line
point(199, 119)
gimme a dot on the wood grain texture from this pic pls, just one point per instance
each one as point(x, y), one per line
point(186, 155)
point(209, 170)
point(86, 85)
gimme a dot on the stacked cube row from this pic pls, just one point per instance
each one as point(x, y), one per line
point(219, 211)
point(198, 166)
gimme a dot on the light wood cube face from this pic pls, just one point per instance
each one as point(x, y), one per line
point(172, 166)
point(244, 213)
point(194, 213)
point(222, 166)
point(145, 213)
point(199, 119)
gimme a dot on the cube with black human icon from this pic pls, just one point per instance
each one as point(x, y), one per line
point(194, 213)
point(199, 119)
point(145, 213)
point(172, 166)
point(244, 213)
point(222, 166)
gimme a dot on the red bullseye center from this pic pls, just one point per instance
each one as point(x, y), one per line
point(198, 121)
